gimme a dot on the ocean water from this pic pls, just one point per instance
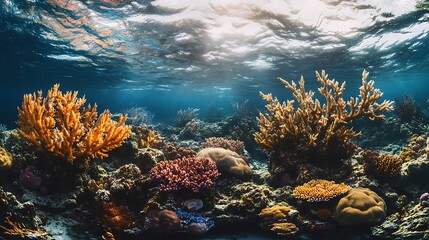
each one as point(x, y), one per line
point(168, 55)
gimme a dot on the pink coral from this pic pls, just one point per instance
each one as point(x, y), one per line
point(186, 173)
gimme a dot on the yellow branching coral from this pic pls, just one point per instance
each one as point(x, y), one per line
point(61, 125)
point(314, 124)
point(5, 158)
point(319, 190)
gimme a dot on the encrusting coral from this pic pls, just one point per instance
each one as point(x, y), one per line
point(60, 125)
point(320, 190)
point(314, 125)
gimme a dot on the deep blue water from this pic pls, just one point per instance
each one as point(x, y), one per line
point(168, 55)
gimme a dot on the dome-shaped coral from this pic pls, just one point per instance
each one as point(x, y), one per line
point(227, 161)
point(360, 206)
point(319, 190)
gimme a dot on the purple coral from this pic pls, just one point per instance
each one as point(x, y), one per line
point(186, 173)
point(424, 199)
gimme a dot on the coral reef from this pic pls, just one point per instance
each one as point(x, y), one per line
point(227, 161)
point(360, 206)
point(218, 142)
point(59, 124)
point(187, 173)
point(242, 202)
point(314, 126)
point(6, 158)
point(320, 190)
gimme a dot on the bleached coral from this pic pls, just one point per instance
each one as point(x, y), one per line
point(313, 124)
point(59, 124)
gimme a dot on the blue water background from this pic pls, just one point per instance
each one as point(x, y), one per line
point(149, 65)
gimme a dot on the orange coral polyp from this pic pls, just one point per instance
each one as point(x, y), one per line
point(60, 125)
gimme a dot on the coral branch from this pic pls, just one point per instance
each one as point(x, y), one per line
point(313, 125)
point(59, 124)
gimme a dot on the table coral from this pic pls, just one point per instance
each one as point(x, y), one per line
point(320, 190)
point(313, 125)
point(59, 124)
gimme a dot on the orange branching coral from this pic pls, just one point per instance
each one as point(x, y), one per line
point(59, 124)
point(314, 124)
point(320, 190)
point(17, 229)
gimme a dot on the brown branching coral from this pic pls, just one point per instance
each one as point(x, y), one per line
point(313, 124)
point(382, 165)
point(60, 124)
point(319, 190)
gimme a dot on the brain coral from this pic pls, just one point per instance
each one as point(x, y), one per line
point(5, 158)
point(227, 161)
point(319, 190)
point(360, 206)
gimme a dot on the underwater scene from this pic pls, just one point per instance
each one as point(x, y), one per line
point(214, 119)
